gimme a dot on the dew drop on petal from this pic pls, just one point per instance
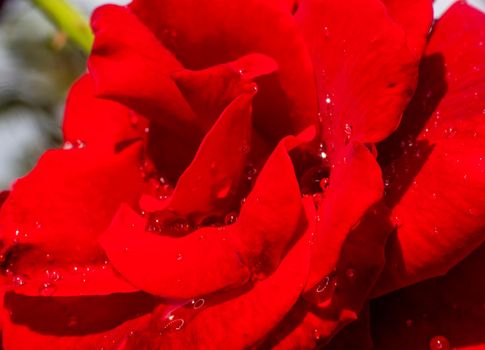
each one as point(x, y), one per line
point(47, 289)
point(439, 343)
point(230, 218)
point(67, 145)
point(52, 275)
point(244, 148)
point(18, 280)
point(350, 274)
point(250, 172)
point(173, 324)
point(80, 144)
point(322, 286)
point(348, 130)
point(198, 303)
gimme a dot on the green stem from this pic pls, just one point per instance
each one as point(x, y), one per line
point(68, 20)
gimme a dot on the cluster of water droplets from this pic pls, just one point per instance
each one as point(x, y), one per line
point(176, 316)
point(71, 145)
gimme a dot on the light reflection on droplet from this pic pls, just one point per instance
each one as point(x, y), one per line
point(47, 289)
point(439, 343)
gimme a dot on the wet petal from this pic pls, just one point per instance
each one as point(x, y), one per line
point(241, 320)
point(68, 200)
point(205, 34)
point(415, 17)
point(209, 185)
point(434, 164)
point(447, 309)
point(212, 258)
point(78, 323)
point(209, 91)
point(130, 66)
point(97, 122)
point(355, 185)
point(339, 298)
point(365, 74)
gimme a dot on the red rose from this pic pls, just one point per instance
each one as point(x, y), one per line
point(220, 184)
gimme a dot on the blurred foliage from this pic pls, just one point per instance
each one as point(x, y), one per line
point(37, 66)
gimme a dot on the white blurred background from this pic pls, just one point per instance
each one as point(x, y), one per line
point(36, 69)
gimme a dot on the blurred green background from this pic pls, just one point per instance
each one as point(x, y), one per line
point(37, 66)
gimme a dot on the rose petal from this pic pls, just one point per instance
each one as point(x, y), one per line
point(239, 321)
point(216, 31)
point(355, 185)
point(434, 163)
point(209, 91)
point(339, 298)
point(68, 199)
point(211, 258)
point(130, 66)
point(450, 306)
point(365, 74)
point(78, 323)
point(415, 17)
point(209, 185)
point(96, 122)
point(40, 278)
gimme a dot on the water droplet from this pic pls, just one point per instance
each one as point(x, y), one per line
point(350, 274)
point(348, 130)
point(67, 145)
point(224, 189)
point(179, 257)
point(250, 172)
point(134, 119)
point(18, 280)
point(244, 148)
point(197, 304)
point(322, 286)
point(326, 32)
point(324, 183)
point(387, 182)
point(439, 343)
point(230, 218)
point(47, 289)
point(316, 334)
point(241, 72)
point(72, 322)
point(450, 132)
point(473, 211)
point(77, 144)
point(53, 275)
point(173, 324)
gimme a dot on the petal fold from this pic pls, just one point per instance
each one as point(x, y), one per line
point(213, 258)
point(365, 74)
point(434, 163)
